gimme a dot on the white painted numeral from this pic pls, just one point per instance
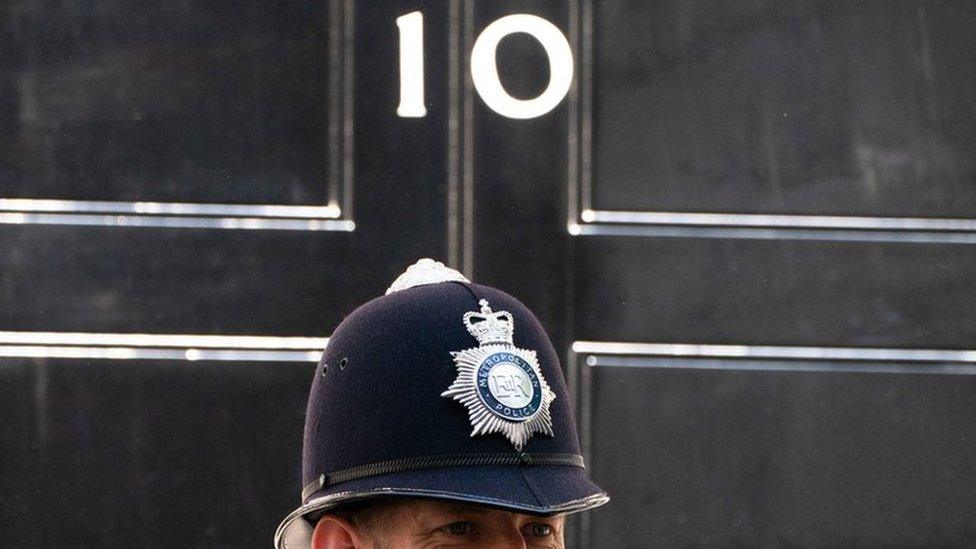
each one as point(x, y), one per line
point(484, 67)
point(411, 65)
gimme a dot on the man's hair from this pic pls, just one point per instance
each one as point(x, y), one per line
point(371, 518)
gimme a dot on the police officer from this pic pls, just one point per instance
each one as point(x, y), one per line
point(438, 416)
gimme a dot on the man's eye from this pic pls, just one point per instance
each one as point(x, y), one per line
point(540, 530)
point(462, 528)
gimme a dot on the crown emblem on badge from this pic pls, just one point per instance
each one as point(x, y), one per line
point(488, 327)
point(500, 384)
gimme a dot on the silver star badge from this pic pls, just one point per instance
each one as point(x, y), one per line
point(500, 384)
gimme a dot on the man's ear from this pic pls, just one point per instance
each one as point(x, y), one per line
point(332, 532)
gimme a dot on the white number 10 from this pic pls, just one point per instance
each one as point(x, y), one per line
point(484, 67)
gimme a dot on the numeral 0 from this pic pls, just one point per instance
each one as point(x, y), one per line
point(484, 67)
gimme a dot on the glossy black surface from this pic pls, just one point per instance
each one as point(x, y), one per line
point(776, 292)
point(98, 453)
point(161, 101)
point(149, 454)
point(855, 108)
point(773, 459)
point(93, 279)
point(802, 108)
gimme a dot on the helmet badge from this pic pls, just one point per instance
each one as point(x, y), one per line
point(500, 384)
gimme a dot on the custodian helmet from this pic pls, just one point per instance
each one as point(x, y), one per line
point(442, 389)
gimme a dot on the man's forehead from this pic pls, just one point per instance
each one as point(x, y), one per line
point(446, 507)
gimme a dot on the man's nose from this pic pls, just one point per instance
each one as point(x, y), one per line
point(506, 539)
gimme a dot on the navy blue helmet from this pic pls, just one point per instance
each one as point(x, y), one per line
point(441, 389)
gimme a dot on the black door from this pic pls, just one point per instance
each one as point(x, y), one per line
point(193, 195)
point(749, 227)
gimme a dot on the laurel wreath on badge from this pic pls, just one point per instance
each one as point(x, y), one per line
point(500, 384)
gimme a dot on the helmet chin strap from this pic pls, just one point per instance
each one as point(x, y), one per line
point(434, 462)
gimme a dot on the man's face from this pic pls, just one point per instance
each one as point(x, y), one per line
point(416, 524)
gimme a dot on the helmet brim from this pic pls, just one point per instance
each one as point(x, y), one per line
point(533, 490)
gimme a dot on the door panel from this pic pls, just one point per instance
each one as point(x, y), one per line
point(790, 108)
point(725, 457)
point(775, 292)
